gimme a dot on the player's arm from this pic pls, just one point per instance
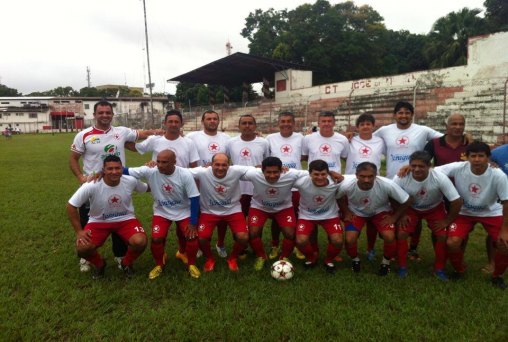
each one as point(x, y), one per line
point(131, 146)
point(398, 210)
point(82, 237)
point(193, 164)
point(344, 209)
point(502, 240)
point(148, 132)
point(75, 168)
point(453, 211)
point(192, 231)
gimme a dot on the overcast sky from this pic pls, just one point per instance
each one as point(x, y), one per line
point(50, 43)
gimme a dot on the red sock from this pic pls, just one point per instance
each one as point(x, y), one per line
point(257, 247)
point(237, 249)
point(390, 250)
point(191, 250)
point(315, 247)
point(331, 252)
point(287, 247)
point(402, 249)
point(157, 249)
point(352, 249)
point(95, 259)
point(457, 260)
point(221, 233)
point(371, 236)
point(440, 255)
point(181, 240)
point(500, 264)
point(204, 245)
point(308, 251)
point(130, 256)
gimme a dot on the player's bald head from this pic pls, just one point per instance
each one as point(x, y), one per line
point(166, 154)
point(455, 117)
point(220, 158)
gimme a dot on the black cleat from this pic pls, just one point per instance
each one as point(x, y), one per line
point(499, 283)
point(309, 264)
point(356, 266)
point(330, 267)
point(98, 272)
point(128, 271)
point(383, 270)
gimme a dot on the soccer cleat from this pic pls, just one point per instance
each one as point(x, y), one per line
point(384, 269)
point(221, 251)
point(155, 273)
point(371, 255)
point(209, 265)
point(338, 258)
point(182, 257)
point(98, 272)
point(330, 267)
point(413, 255)
point(499, 283)
point(274, 252)
point(309, 264)
point(119, 262)
point(259, 264)
point(488, 269)
point(128, 271)
point(243, 255)
point(402, 272)
point(199, 254)
point(232, 264)
point(356, 266)
point(299, 255)
point(441, 275)
point(194, 272)
point(84, 265)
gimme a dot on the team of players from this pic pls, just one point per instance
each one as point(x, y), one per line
point(228, 194)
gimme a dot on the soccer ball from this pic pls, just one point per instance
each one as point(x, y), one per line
point(282, 270)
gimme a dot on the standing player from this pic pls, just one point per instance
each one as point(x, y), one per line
point(111, 210)
point(247, 149)
point(176, 199)
point(451, 147)
point(210, 142)
point(427, 188)
point(368, 197)
point(220, 202)
point(272, 199)
point(287, 146)
point(500, 157)
point(481, 187)
point(318, 206)
point(94, 144)
point(401, 139)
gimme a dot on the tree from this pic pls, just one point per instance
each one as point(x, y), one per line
point(496, 14)
point(59, 91)
point(6, 91)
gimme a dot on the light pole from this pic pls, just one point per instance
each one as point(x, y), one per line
point(150, 85)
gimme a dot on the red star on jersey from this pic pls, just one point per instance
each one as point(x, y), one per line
point(365, 150)
point(167, 187)
point(422, 192)
point(220, 189)
point(325, 148)
point(286, 149)
point(474, 188)
point(318, 199)
point(365, 201)
point(114, 199)
point(214, 147)
point(402, 140)
point(272, 191)
point(117, 136)
point(245, 152)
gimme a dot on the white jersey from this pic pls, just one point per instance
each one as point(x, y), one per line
point(109, 203)
point(208, 145)
point(248, 153)
point(328, 149)
point(288, 150)
point(317, 203)
point(95, 145)
point(272, 198)
point(361, 150)
point(170, 193)
point(480, 193)
point(428, 193)
point(367, 203)
point(401, 143)
point(219, 196)
point(184, 148)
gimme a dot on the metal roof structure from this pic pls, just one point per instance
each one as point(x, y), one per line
point(237, 68)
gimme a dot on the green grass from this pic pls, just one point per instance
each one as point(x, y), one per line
point(45, 297)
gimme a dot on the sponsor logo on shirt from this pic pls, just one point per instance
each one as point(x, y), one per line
point(289, 165)
point(112, 215)
point(399, 157)
point(271, 204)
point(95, 140)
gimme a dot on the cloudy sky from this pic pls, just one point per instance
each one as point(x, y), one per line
point(50, 43)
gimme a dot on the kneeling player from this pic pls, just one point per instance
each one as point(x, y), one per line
point(111, 210)
point(427, 188)
point(318, 206)
point(481, 187)
point(368, 197)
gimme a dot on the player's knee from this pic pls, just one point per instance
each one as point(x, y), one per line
point(84, 251)
point(242, 237)
point(138, 242)
point(254, 232)
point(302, 240)
point(454, 243)
point(402, 235)
point(388, 237)
point(289, 234)
point(336, 240)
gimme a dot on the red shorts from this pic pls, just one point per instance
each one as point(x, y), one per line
point(207, 222)
point(358, 222)
point(331, 226)
point(99, 231)
point(463, 225)
point(161, 225)
point(284, 218)
point(431, 216)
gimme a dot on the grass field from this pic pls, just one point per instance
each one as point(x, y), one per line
point(45, 297)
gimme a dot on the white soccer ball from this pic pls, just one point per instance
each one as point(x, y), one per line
point(282, 270)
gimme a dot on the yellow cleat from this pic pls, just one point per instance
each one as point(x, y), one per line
point(194, 272)
point(259, 264)
point(155, 273)
point(274, 253)
point(299, 255)
point(182, 257)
